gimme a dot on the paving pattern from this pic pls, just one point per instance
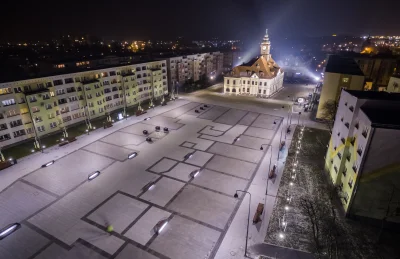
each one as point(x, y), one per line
point(64, 215)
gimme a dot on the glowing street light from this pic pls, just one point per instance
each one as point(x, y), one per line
point(134, 154)
point(8, 230)
point(148, 187)
point(194, 173)
point(48, 164)
point(93, 175)
point(160, 226)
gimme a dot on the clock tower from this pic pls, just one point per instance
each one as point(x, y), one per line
point(266, 46)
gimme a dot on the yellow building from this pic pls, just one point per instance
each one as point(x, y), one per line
point(340, 73)
point(41, 106)
point(362, 157)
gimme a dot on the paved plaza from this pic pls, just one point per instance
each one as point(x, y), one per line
point(64, 215)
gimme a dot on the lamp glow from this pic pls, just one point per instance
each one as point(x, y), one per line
point(134, 154)
point(286, 208)
point(48, 164)
point(162, 227)
point(281, 236)
point(93, 175)
point(194, 173)
point(8, 230)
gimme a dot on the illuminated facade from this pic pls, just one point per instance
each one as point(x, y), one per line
point(193, 67)
point(49, 104)
point(362, 156)
point(259, 77)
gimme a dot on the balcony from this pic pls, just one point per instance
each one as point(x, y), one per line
point(350, 185)
point(348, 158)
point(335, 168)
point(341, 119)
point(364, 133)
point(345, 171)
point(19, 123)
point(351, 108)
point(46, 97)
point(359, 152)
point(357, 125)
point(354, 168)
point(71, 90)
point(3, 127)
point(343, 140)
point(352, 141)
point(347, 125)
point(339, 155)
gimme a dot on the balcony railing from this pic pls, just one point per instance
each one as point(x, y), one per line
point(351, 108)
point(347, 125)
point(364, 133)
point(359, 151)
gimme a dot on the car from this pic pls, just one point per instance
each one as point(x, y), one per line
point(196, 111)
point(201, 108)
point(205, 105)
point(146, 119)
point(148, 139)
point(166, 129)
point(145, 132)
point(157, 128)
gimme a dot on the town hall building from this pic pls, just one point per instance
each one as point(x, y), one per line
point(259, 77)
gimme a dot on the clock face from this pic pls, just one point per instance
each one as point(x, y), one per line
point(264, 47)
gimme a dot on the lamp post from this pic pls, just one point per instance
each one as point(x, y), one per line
point(270, 157)
point(248, 218)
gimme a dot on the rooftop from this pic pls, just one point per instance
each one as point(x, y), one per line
point(343, 65)
point(373, 95)
point(383, 115)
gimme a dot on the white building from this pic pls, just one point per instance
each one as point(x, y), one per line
point(41, 106)
point(260, 77)
point(363, 153)
point(193, 67)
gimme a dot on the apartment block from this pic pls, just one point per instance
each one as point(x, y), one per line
point(340, 73)
point(45, 105)
point(193, 67)
point(363, 154)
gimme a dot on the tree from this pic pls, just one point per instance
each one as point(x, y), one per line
point(328, 112)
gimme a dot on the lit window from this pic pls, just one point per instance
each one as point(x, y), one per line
point(345, 80)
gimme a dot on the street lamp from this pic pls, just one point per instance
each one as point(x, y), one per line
point(270, 157)
point(248, 218)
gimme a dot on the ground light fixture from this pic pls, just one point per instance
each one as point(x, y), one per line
point(149, 186)
point(194, 173)
point(93, 175)
point(160, 226)
point(236, 139)
point(48, 163)
point(134, 154)
point(189, 155)
point(8, 230)
point(146, 119)
point(281, 235)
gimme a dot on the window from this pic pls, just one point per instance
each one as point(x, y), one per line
point(265, 91)
point(90, 105)
point(89, 96)
point(354, 167)
point(227, 82)
point(60, 91)
point(53, 125)
point(357, 125)
point(351, 108)
point(15, 123)
point(68, 80)
point(259, 91)
point(41, 128)
point(265, 83)
point(98, 94)
point(106, 82)
point(46, 96)
point(32, 99)
point(252, 82)
point(234, 82)
point(348, 157)
point(359, 150)
point(5, 137)
point(345, 80)
point(8, 102)
point(29, 131)
point(248, 90)
point(35, 109)
point(72, 99)
point(112, 73)
point(5, 91)
point(58, 82)
point(68, 118)
point(351, 182)
point(365, 132)
point(345, 172)
point(101, 110)
point(99, 102)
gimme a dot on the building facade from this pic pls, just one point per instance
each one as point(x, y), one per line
point(193, 67)
point(259, 77)
point(340, 73)
point(394, 84)
point(362, 157)
point(231, 59)
point(40, 106)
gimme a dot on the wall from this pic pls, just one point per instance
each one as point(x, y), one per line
point(379, 174)
point(393, 85)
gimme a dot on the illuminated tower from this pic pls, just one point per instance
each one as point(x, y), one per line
point(266, 46)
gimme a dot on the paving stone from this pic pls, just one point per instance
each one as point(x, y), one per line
point(143, 229)
point(119, 212)
point(138, 128)
point(219, 182)
point(163, 191)
point(232, 117)
point(108, 150)
point(213, 113)
point(188, 144)
point(183, 239)
point(199, 158)
point(78, 251)
point(180, 110)
point(158, 135)
point(164, 165)
point(19, 201)
point(133, 252)
point(251, 142)
point(203, 205)
point(228, 136)
point(241, 153)
point(231, 166)
point(178, 153)
point(163, 121)
point(267, 122)
point(259, 133)
point(200, 144)
point(124, 139)
point(182, 171)
point(248, 119)
point(68, 172)
point(21, 244)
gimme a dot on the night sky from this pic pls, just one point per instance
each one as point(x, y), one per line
point(200, 19)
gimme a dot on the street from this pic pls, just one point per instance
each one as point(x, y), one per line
point(62, 212)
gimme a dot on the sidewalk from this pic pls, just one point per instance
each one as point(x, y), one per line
point(32, 162)
point(233, 245)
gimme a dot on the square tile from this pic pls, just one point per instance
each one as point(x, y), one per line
point(78, 251)
point(232, 166)
point(183, 239)
point(248, 119)
point(124, 139)
point(143, 230)
point(213, 113)
point(240, 153)
point(119, 212)
point(138, 128)
point(163, 191)
point(231, 117)
point(182, 171)
point(162, 166)
point(219, 182)
point(133, 252)
point(188, 144)
point(260, 133)
point(199, 158)
point(203, 205)
point(108, 150)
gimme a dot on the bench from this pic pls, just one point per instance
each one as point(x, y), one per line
point(281, 145)
point(259, 211)
point(138, 113)
point(272, 172)
point(67, 141)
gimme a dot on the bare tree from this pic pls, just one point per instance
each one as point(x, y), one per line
point(328, 111)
